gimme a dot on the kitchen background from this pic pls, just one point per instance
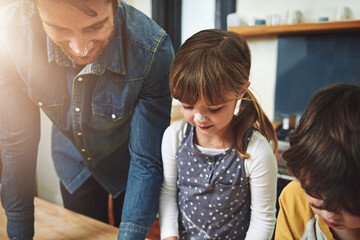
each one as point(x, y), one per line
point(200, 14)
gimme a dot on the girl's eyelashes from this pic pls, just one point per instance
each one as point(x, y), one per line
point(215, 110)
point(210, 109)
point(187, 107)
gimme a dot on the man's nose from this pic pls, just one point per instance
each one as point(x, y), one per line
point(80, 45)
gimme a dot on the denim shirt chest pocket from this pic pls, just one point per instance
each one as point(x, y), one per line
point(52, 105)
point(109, 116)
point(113, 102)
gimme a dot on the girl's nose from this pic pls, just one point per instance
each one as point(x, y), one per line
point(198, 117)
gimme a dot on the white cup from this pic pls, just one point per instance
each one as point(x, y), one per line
point(275, 19)
point(343, 13)
point(294, 16)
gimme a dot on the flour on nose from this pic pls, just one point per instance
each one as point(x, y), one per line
point(199, 117)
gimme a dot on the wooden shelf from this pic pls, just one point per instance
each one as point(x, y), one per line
point(300, 28)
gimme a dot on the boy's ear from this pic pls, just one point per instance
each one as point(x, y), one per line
point(244, 89)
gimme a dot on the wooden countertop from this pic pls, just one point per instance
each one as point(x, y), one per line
point(53, 222)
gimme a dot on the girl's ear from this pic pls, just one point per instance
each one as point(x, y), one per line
point(244, 89)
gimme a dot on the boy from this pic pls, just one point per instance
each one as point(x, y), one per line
point(323, 203)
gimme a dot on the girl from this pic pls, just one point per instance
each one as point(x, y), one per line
point(219, 169)
point(324, 156)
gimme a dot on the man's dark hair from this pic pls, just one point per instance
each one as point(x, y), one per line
point(325, 148)
point(80, 4)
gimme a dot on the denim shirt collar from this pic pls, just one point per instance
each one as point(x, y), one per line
point(111, 59)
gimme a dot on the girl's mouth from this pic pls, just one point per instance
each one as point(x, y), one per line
point(204, 127)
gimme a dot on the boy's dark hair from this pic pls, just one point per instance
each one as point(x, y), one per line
point(79, 4)
point(325, 148)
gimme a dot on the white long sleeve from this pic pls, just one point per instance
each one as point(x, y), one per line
point(261, 168)
point(169, 211)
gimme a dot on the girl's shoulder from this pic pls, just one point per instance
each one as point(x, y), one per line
point(177, 126)
point(176, 130)
point(261, 151)
point(258, 141)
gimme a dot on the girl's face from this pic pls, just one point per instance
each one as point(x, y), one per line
point(336, 220)
point(209, 118)
point(210, 121)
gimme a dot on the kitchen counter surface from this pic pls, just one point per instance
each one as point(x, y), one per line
point(53, 222)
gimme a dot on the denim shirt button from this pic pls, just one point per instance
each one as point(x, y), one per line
point(80, 79)
point(77, 109)
point(83, 150)
point(79, 133)
point(40, 104)
point(89, 158)
point(113, 116)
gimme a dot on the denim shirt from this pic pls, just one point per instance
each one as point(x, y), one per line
point(108, 117)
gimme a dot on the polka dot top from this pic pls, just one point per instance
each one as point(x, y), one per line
point(213, 192)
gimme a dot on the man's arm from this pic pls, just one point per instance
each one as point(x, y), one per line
point(150, 119)
point(19, 138)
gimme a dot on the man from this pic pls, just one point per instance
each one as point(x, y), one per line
point(99, 70)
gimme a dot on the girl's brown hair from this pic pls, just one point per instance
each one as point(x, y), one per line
point(210, 65)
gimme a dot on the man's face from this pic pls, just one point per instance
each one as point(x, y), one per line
point(82, 37)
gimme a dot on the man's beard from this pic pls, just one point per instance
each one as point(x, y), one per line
point(82, 61)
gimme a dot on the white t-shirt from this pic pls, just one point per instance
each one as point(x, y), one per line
point(261, 169)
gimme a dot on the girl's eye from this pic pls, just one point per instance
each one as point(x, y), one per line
point(187, 107)
point(215, 110)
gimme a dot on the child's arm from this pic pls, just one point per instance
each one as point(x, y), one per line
point(168, 197)
point(262, 170)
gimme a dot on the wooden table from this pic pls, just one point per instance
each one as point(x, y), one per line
point(53, 222)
